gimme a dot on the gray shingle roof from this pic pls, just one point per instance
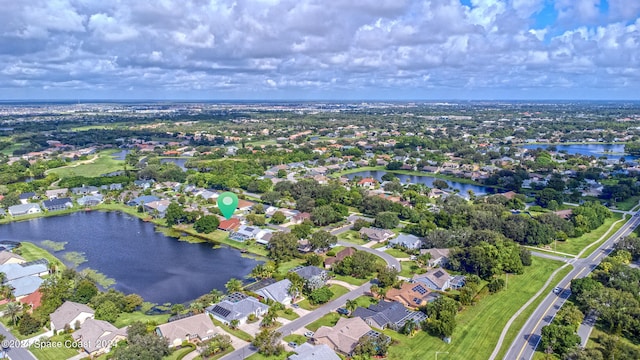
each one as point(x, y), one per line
point(67, 312)
point(307, 351)
point(278, 292)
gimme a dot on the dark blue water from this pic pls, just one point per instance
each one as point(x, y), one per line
point(178, 161)
point(610, 151)
point(426, 180)
point(157, 267)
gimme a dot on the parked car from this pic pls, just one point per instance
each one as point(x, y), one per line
point(293, 345)
point(309, 334)
point(342, 311)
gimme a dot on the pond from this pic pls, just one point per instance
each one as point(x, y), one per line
point(178, 161)
point(610, 151)
point(428, 181)
point(157, 267)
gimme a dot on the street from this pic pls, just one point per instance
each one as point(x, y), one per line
point(15, 351)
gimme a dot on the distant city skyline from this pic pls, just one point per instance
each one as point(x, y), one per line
point(320, 50)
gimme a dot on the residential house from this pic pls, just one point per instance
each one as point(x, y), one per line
point(438, 257)
point(7, 257)
point(56, 193)
point(97, 337)
point(196, 328)
point(388, 314)
point(33, 300)
point(85, 190)
point(278, 292)
point(158, 207)
point(411, 295)
point(344, 336)
point(300, 217)
point(264, 236)
point(406, 241)
point(229, 225)
point(70, 314)
point(24, 209)
point(313, 276)
point(90, 200)
point(26, 197)
point(376, 234)
point(328, 262)
point(143, 184)
point(57, 204)
point(24, 286)
point(244, 205)
point(141, 200)
point(436, 279)
point(245, 233)
point(367, 182)
point(17, 271)
point(237, 306)
point(308, 351)
point(3, 213)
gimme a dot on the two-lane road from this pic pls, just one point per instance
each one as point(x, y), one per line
point(525, 344)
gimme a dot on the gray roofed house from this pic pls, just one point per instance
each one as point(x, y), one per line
point(245, 233)
point(308, 351)
point(25, 197)
point(24, 209)
point(391, 314)
point(70, 313)
point(142, 200)
point(376, 234)
point(24, 285)
point(278, 292)
point(437, 279)
point(193, 328)
point(57, 204)
point(313, 276)
point(56, 193)
point(237, 306)
point(406, 241)
point(90, 200)
point(17, 271)
point(98, 336)
point(144, 184)
point(439, 257)
point(85, 190)
point(7, 257)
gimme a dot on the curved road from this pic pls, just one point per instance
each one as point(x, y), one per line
point(526, 342)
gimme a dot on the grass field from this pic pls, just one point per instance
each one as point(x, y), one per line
point(628, 204)
point(575, 245)
point(11, 148)
point(105, 163)
point(328, 320)
point(126, 319)
point(409, 268)
point(31, 252)
point(53, 353)
point(520, 320)
point(397, 253)
point(353, 237)
point(350, 279)
point(337, 292)
point(479, 326)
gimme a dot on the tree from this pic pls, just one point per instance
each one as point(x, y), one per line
point(496, 285)
point(85, 291)
point(409, 328)
point(386, 220)
point(321, 295)
point(107, 311)
point(440, 184)
point(442, 317)
point(569, 315)
point(13, 311)
point(206, 224)
point(370, 345)
point(176, 309)
point(324, 215)
point(268, 343)
point(28, 325)
point(322, 240)
point(351, 305)
point(559, 338)
point(10, 199)
point(302, 230)
point(359, 224)
point(174, 214)
point(283, 246)
point(141, 345)
point(233, 285)
point(387, 276)
point(278, 218)
point(131, 302)
point(217, 344)
point(297, 285)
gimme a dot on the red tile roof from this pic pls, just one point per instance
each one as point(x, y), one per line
point(34, 299)
point(229, 225)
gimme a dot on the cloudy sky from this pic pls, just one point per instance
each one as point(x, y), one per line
point(320, 49)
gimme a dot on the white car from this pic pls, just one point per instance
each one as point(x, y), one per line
point(557, 290)
point(309, 334)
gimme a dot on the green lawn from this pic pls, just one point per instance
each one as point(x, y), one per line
point(31, 252)
point(298, 339)
point(350, 279)
point(353, 237)
point(291, 316)
point(397, 253)
point(479, 326)
point(127, 318)
point(575, 245)
point(105, 163)
point(180, 353)
point(628, 204)
point(236, 332)
point(409, 268)
point(328, 320)
point(53, 353)
point(11, 148)
point(520, 320)
point(337, 292)
point(258, 356)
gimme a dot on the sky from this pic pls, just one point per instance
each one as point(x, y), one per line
point(320, 49)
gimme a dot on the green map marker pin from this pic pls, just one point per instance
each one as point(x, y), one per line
point(228, 203)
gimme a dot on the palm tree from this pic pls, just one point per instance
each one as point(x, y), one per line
point(234, 323)
point(13, 311)
point(409, 328)
point(216, 295)
point(233, 285)
point(351, 305)
point(196, 307)
point(297, 284)
point(374, 290)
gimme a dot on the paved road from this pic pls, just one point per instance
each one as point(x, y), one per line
point(15, 352)
point(584, 330)
point(248, 350)
point(526, 342)
point(551, 256)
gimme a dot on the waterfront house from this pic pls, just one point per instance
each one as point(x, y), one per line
point(24, 286)
point(278, 292)
point(90, 200)
point(25, 197)
point(24, 209)
point(97, 337)
point(17, 271)
point(56, 193)
point(70, 314)
point(229, 225)
point(57, 204)
point(7, 257)
point(141, 200)
point(196, 328)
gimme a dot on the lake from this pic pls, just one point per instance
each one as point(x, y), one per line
point(178, 161)
point(610, 151)
point(157, 267)
point(426, 180)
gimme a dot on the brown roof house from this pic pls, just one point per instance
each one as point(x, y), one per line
point(439, 257)
point(439, 279)
point(70, 313)
point(376, 234)
point(344, 336)
point(328, 262)
point(7, 257)
point(411, 295)
point(229, 225)
point(98, 336)
point(194, 328)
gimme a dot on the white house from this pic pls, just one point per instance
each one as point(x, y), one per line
point(70, 313)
